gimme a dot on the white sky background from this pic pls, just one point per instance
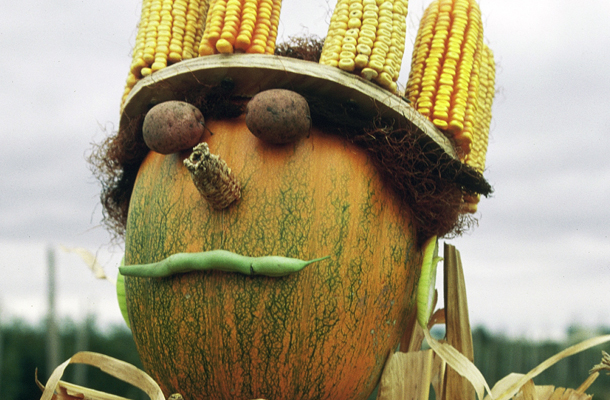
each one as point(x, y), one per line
point(538, 261)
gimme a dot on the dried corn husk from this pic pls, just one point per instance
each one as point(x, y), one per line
point(53, 390)
point(56, 389)
point(395, 385)
point(91, 261)
point(457, 323)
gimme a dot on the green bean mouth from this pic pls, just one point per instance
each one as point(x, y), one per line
point(218, 260)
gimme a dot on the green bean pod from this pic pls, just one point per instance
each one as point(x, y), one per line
point(427, 281)
point(218, 260)
point(120, 295)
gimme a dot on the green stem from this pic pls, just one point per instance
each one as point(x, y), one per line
point(219, 260)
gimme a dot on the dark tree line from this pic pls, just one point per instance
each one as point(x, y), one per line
point(23, 351)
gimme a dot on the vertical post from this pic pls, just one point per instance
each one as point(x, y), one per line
point(53, 344)
point(82, 344)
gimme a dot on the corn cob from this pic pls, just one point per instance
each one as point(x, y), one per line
point(212, 177)
point(367, 37)
point(482, 121)
point(241, 26)
point(444, 79)
point(167, 33)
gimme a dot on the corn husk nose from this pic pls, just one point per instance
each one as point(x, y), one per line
point(212, 177)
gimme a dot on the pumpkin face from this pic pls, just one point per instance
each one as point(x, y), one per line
point(322, 333)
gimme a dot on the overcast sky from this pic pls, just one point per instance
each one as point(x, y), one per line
point(538, 261)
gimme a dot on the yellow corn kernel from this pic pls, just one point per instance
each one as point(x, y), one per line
point(256, 49)
point(174, 57)
point(241, 25)
point(346, 64)
point(368, 73)
point(445, 68)
point(158, 64)
point(384, 79)
point(379, 28)
point(376, 63)
point(354, 23)
point(360, 61)
point(224, 46)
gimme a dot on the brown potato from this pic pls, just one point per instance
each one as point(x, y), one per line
point(278, 116)
point(173, 126)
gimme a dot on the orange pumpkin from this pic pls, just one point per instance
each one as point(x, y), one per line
point(322, 333)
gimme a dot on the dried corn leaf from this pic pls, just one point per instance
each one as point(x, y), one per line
point(439, 368)
point(544, 392)
point(531, 392)
point(558, 394)
point(504, 384)
point(437, 318)
point(457, 323)
point(588, 382)
point(90, 260)
point(117, 368)
point(411, 336)
point(407, 376)
point(459, 363)
point(604, 365)
point(516, 386)
point(528, 391)
point(567, 394)
point(552, 393)
point(416, 339)
point(69, 391)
